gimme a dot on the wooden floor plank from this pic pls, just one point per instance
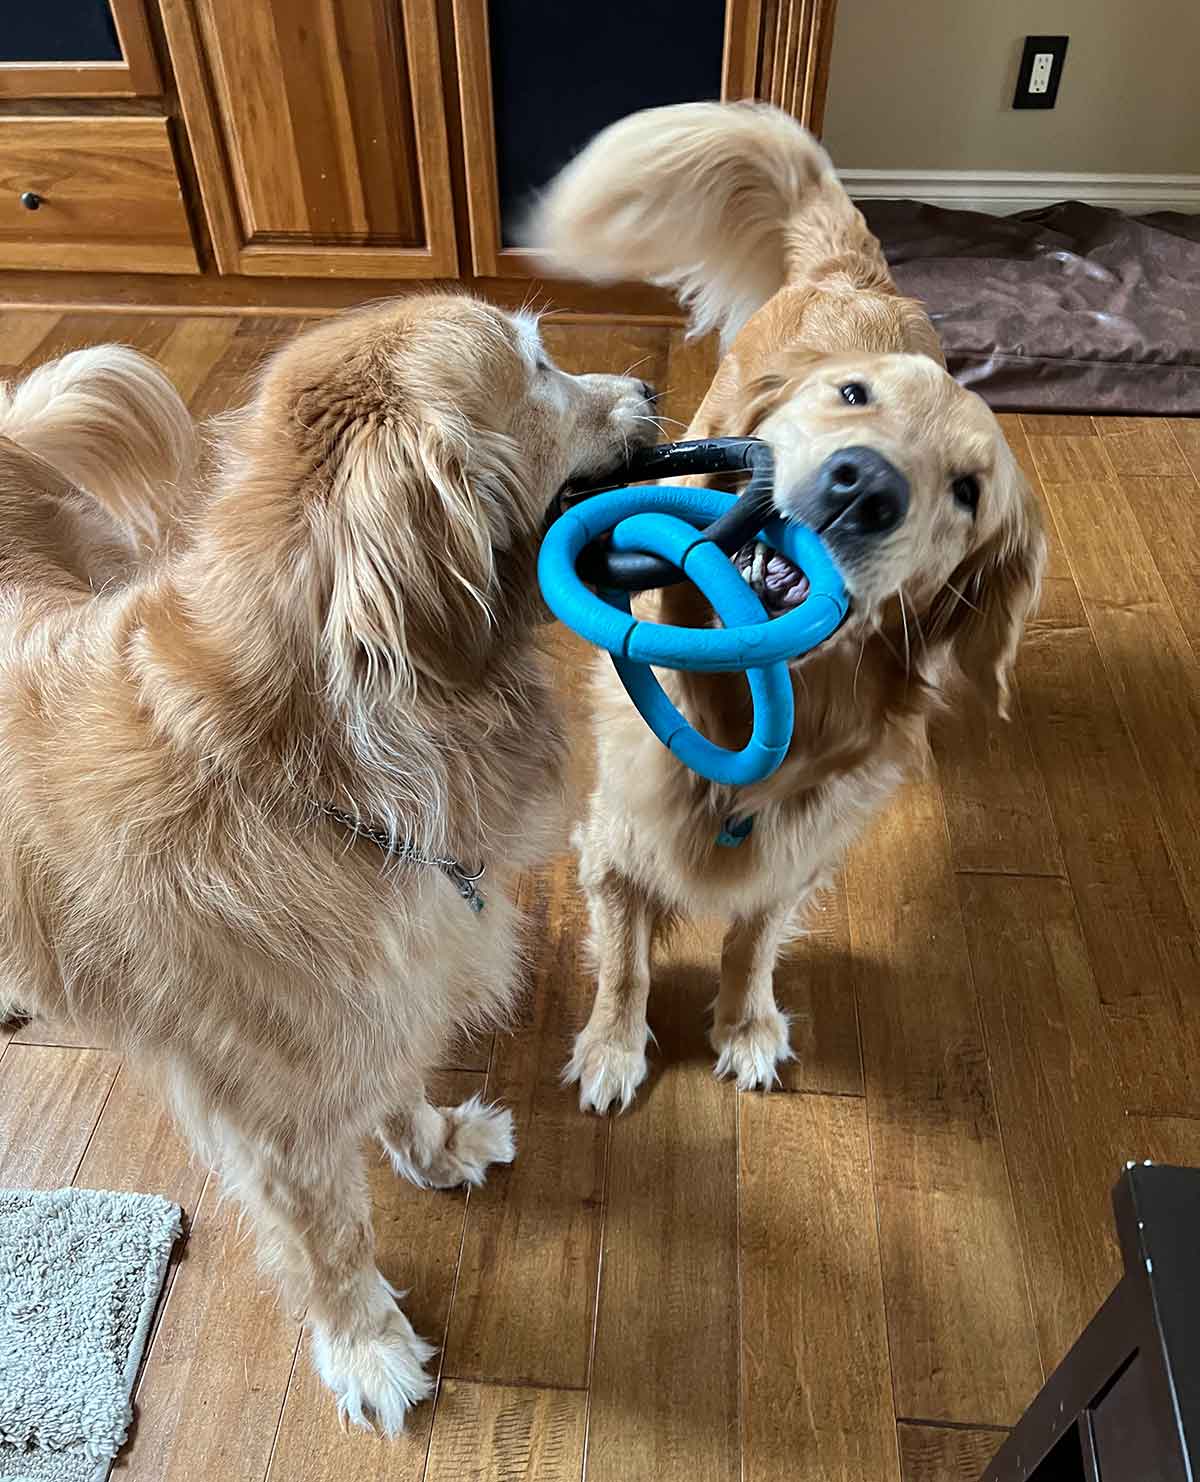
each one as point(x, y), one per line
point(419, 1235)
point(962, 1340)
point(665, 1376)
point(137, 1148)
point(814, 986)
point(228, 382)
point(1154, 674)
point(1168, 515)
point(1141, 445)
point(1187, 435)
point(486, 1433)
point(74, 331)
point(215, 1379)
point(21, 332)
point(994, 795)
point(194, 347)
point(50, 1101)
point(930, 1453)
point(1057, 1096)
point(816, 1386)
point(1056, 424)
point(60, 1034)
point(526, 1290)
point(1056, 557)
point(1134, 918)
point(1069, 459)
point(1164, 1140)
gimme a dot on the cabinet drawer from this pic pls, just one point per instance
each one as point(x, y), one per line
point(108, 193)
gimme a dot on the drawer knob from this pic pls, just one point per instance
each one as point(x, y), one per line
point(30, 200)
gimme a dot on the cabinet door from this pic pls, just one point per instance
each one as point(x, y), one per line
point(76, 49)
point(539, 78)
point(319, 133)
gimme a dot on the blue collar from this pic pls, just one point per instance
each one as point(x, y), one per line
point(735, 831)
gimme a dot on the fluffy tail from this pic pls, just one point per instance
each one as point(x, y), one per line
point(109, 420)
point(722, 202)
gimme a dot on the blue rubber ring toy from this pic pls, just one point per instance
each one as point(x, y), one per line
point(670, 522)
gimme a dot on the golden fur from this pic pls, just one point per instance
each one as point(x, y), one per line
point(346, 617)
point(739, 209)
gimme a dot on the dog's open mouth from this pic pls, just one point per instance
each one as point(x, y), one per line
point(779, 585)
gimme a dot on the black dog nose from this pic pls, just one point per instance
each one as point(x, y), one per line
point(861, 492)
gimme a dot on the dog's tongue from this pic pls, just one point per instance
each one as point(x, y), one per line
point(780, 585)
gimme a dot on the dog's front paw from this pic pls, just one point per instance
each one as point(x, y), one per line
point(376, 1377)
point(607, 1071)
point(750, 1051)
point(466, 1140)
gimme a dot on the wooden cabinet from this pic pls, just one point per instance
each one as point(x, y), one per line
point(319, 134)
point(260, 146)
point(76, 49)
point(94, 194)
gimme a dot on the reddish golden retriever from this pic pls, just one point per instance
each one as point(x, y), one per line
point(918, 497)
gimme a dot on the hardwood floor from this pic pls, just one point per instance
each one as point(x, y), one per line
point(865, 1275)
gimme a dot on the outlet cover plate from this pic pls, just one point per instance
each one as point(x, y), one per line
point(1054, 46)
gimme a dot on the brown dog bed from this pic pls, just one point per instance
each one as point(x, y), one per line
point(1071, 308)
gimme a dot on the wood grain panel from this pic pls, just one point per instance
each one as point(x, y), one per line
point(418, 1234)
point(962, 1340)
point(1068, 459)
point(1168, 515)
point(61, 1034)
point(1056, 424)
point(1141, 445)
point(214, 1380)
point(1165, 1140)
point(665, 1373)
point(320, 134)
point(136, 74)
point(22, 333)
point(1154, 673)
point(1187, 435)
point(691, 365)
point(816, 1387)
point(614, 349)
point(111, 200)
point(136, 1147)
point(527, 1281)
point(1057, 1094)
point(930, 1453)
point(486, 1433)
point(1012, 425)
point(193, 349)
point(994, 795)
point(144, 332)
point(814, 986)
point(51, 1101)
point(1133, 915)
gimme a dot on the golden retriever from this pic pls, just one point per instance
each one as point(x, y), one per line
point(251, 765)
point(921, 504)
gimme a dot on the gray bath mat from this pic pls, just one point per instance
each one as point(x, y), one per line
point(80, 1272)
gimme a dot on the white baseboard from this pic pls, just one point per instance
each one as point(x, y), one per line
point(1001, 192)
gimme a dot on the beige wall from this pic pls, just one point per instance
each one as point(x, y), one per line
point(928, 84)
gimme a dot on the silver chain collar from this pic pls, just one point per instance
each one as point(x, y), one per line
point(464, 881)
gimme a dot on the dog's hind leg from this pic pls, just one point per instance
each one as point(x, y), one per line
point(442, 1147)
point(749, 1033)
point(609, 1059)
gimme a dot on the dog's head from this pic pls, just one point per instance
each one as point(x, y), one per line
point(911, 483)
point(398, 462)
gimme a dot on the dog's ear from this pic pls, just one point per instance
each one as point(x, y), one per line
point(770, 389)
point(411, 533)
point(979, 615)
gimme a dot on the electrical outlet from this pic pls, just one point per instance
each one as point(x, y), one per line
point(1040, 71)
point(1039, 77)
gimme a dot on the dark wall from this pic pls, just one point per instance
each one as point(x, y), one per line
point(563, 69)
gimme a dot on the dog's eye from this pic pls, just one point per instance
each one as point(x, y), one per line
point(854, 393)
point(966, 491)
point(543, 366)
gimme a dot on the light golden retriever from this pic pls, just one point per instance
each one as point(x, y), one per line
point(344, 622)
point(920, 502)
